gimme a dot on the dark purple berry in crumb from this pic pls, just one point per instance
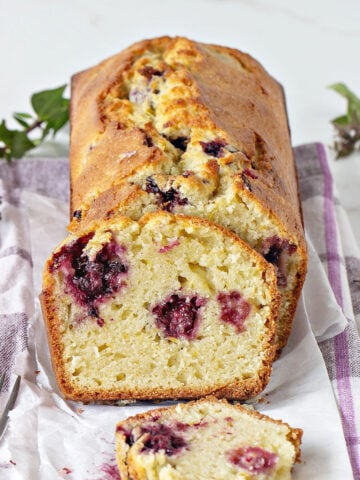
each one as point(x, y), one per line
point(148, 72)
point(179, 142)
point(273, 252)
point(167, 199)
point(234, 309)
point(74, 250)
point(91, 281)
point(215, 148)
point(172, 199)
point(254, 460)
point(151, 186)
point(93, 311)
point(129, 437)
point(276, 251)
point(77, 214)
point(148, 141)
point(178, 316)
point(161, 437)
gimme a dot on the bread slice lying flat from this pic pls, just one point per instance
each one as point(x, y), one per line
point(206, 439)
point(165, 307)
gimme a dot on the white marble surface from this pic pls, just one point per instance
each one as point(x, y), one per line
point(307, 45)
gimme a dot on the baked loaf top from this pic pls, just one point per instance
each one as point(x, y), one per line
point(230, 92)
point(166, 307)
point(206, 439)
point(196, 129)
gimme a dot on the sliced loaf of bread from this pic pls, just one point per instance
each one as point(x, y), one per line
point(190, 128)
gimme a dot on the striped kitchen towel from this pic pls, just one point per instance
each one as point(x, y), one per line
point(331, 243)
point(340, 256)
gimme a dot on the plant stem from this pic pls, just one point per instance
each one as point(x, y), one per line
point(37, 123)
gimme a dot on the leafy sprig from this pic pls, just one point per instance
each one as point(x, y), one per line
point(347, 126)
point(51, 113)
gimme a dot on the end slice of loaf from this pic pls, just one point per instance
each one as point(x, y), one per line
point(165, 307)
point(206, 439)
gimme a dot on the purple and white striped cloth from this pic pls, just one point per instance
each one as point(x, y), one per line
point(327, 229)
point(339, 253)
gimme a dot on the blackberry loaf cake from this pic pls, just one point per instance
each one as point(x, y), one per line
point(191, 129)
point(168, 306)
point(206, 439)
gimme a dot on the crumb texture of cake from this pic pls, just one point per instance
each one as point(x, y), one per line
point(205, 439)
point(165, 307)
point(196, 129)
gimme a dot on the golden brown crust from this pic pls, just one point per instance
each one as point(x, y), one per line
point(263, 125)
point(121, 152)
point(156, 413)
point(105, 206)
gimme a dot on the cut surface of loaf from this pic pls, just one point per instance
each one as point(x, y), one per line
point(190, 128)
point(206, 439)
point(165, 307)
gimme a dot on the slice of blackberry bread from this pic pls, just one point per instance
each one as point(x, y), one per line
point(206, 439)
point(191, 128)
point(164, 307)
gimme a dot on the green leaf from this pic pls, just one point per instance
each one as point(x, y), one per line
point(5, 133)
point(20, 144)
point(341, 121)
point(353, 110)
point(347, 126)
point(51, 107)
point(16, 142)
point(23, 115)
point(344, 91)
point(46, 102)
point(21, 119)
point(52, 113)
